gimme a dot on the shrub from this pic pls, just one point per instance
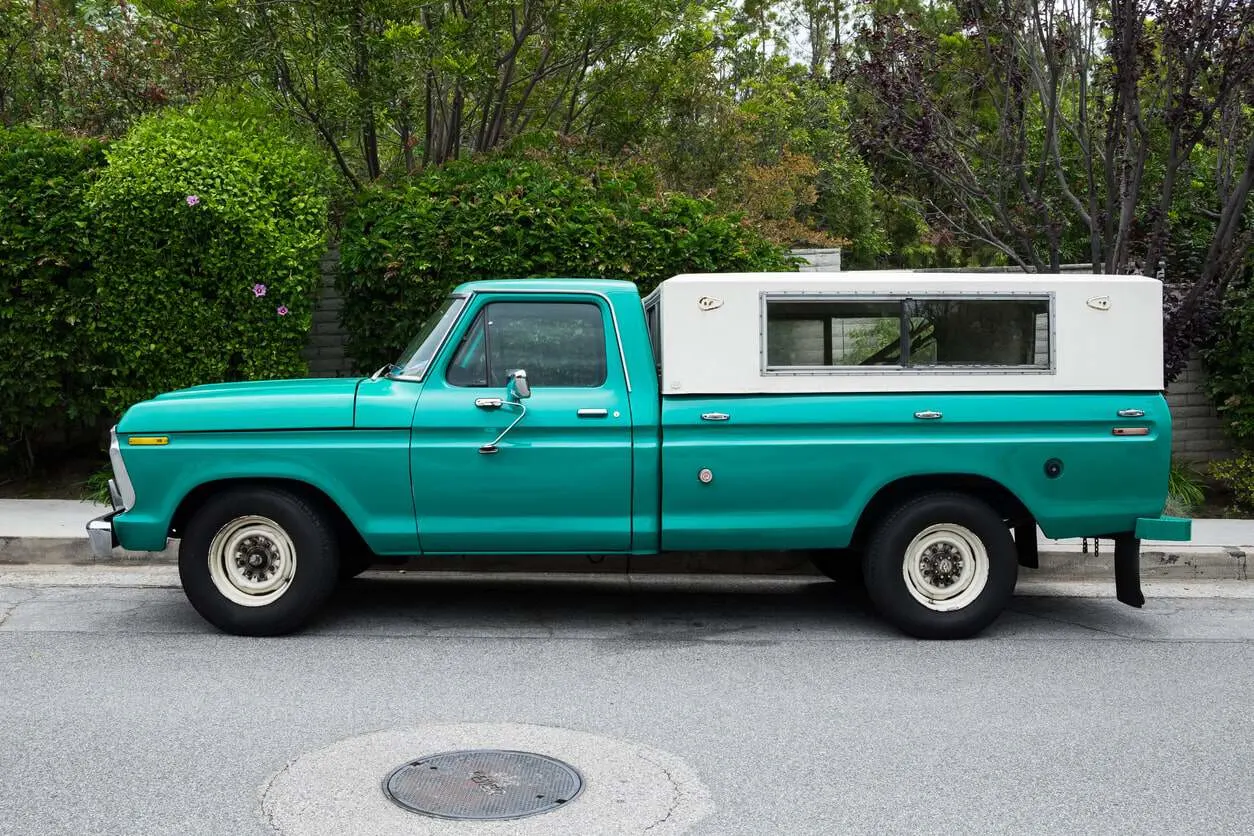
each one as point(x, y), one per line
point(1237, 474)
point(1184, 488)
point(404, 248)
point(45, 287)
point(1229, 359)
point(209, 225)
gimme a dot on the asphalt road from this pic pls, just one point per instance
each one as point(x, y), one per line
point(783, 706)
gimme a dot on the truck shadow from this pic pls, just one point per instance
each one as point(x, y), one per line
point(671, 607)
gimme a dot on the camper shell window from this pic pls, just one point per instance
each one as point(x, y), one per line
point(919, 332)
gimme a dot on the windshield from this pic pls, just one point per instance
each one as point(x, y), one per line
point(413, 362)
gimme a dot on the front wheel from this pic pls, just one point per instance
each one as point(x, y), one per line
point(258, 562)
point(942, 566)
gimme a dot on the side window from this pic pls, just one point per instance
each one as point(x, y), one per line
point(470, 362)
point(933, 333)
point(833, 333)
point(980, 332)
point(558, 343)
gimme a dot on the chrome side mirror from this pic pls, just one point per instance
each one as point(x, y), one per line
point(516, 387)
point(516, 390)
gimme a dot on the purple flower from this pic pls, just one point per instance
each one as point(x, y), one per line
point(282, 310)
point(192, 199)
point(259, 290)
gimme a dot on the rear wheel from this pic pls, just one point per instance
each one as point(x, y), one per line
point(258, 562)
point(941, 566)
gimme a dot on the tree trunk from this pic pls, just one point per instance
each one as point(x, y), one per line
point(365, 93)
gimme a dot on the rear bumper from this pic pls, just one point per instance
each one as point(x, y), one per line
point(1128, 553)
point(102, 536)
point(1175, 529)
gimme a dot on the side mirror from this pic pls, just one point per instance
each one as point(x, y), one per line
point(517, 387)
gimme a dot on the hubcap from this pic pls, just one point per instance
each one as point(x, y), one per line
point(252, 561)
point(945, 567)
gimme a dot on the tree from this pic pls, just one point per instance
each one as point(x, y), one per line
point(1043, 127)
point(86, 66)
point(475, 74)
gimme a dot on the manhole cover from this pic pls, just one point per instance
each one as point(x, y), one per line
point(483, 784)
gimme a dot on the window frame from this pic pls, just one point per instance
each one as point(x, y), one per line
point(653, 325)
point(480, 300)
point(904, 299)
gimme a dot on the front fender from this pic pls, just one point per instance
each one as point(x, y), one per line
point(364, 472)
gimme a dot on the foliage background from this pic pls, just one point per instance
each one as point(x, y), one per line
point(1113, 133)
point(198, 212)
point(404, 248)
point(46, 288)
point(135, 268)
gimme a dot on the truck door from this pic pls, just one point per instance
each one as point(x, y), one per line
point(560, 479)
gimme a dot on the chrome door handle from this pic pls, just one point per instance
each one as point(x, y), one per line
point(927, 415)
point(592, 413)
point(1132, 413)
point(489, 403)
point(714, 416)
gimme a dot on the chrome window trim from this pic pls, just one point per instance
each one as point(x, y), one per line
point(123, 479)
point(618, 337)
point(766, 296)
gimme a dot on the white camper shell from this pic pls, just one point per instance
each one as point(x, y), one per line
point(904, 331)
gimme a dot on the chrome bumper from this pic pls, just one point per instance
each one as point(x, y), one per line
point(121, 493)
point(103, 539)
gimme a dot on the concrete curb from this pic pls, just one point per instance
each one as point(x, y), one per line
point(1058, 562)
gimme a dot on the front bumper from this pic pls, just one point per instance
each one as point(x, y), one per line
point(102, 536)
point(121, 493)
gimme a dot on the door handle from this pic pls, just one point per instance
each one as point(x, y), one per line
point(1132, 413)
point(714, 416)
point(592, 413)
point(927, 415)
point(489, 403)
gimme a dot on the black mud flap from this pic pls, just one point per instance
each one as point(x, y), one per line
point(1025, 546)
point(1128, 570)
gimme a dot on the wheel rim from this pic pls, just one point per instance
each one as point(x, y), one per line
point(945, 567)
point(252, 561)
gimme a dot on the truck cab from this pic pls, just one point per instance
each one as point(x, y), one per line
point(913, 429)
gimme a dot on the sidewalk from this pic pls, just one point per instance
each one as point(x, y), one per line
point(36, 531)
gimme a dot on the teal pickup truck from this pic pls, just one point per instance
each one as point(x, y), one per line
point(917, 427)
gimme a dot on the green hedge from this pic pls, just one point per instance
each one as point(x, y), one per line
point(209, 226)
point(404, 248)
point(1229, 359)
point(46, 294)
point(139, 268)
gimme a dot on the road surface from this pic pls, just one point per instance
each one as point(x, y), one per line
point(730, 705)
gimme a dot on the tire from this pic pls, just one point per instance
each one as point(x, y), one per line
point(841, 565)
point(258, 599)
point(941, 566)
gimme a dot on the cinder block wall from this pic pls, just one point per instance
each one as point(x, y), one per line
point(325, 351)
point(1197, 431)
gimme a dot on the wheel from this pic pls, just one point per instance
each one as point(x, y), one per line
point(841, 565)
point(258, 562)
point(941, 566)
